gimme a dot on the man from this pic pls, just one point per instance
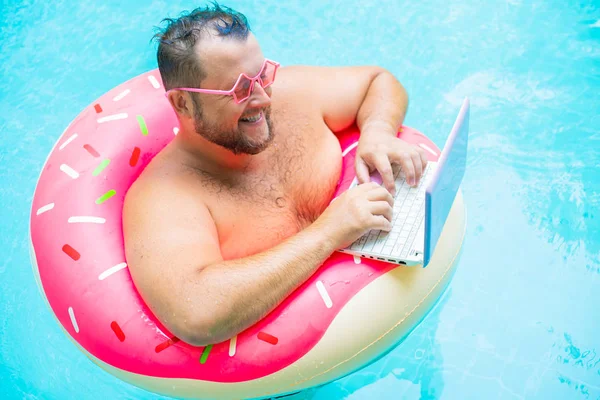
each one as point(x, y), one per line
point(234, 214)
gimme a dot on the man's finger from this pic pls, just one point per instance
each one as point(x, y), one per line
point(362, 171)
point(382, 163)
point(380, 194)
point(406, 162)
point(423, 156)
point(416, 159)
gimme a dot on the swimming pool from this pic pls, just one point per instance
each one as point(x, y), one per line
point(520, 319)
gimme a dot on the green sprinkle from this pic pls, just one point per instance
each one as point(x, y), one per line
point(143, 126)
point(205, 353)
point(101, 167)
point(106, 196)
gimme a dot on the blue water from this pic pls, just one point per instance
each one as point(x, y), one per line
point(521, 318)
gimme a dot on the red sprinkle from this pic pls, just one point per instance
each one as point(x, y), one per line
point(71, 252)
point(91, 150)
point(166, 344)
point(135, 156)
point(98, 108)
point(117, 330)
point(265, 337)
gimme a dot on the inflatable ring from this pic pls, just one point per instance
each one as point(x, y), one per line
point(351, 312)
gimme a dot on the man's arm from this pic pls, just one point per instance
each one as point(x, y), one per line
point(174, 257)
point(347, 95)
point(384, 106)
point(377, 102)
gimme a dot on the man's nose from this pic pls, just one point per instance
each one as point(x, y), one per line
point(259, 96)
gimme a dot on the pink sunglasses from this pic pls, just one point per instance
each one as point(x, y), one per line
point(243, 87)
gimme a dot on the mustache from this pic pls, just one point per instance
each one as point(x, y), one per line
point(232, 140)
point(265, 110)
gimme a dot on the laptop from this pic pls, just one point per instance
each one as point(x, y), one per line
point(421, 212)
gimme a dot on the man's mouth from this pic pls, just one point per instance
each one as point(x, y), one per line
point(252, 118)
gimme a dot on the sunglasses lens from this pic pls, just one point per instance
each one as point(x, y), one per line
point(267, 75)
point(242, 89)
point(244, 86)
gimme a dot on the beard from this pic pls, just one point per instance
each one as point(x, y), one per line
point(233, 140)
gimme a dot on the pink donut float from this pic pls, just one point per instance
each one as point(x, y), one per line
point(349, 313)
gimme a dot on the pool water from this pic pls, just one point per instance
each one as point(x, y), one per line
point(520, 319)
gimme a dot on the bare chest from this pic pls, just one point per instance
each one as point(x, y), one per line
point(289, 193)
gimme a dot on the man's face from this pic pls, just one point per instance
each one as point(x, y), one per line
point(243, 128)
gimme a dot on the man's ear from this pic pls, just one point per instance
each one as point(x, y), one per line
point(181, 103)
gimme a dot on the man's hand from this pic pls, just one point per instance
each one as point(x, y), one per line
point(381, 151)
point(355, 212)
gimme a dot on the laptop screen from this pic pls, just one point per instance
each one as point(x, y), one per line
point(446, 180)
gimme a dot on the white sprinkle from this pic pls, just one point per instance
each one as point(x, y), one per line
point(69, 140)
point(324, 294)
point(69, 171)
point(92, 220)
point(349, 149)
point(122, 94)
point(112, 117)
point(47, 207)
point(111, 271)
point(176, 130)
point(154, 82)
point(73, 320)
point(232, 346)
point(356, 259)
point(429, 149)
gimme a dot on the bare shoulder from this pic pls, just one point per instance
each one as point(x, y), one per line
point(300, 77)
point(160, 210)
point(296, 88)
point(169, 235)
point(309, 76)
point(336, 93)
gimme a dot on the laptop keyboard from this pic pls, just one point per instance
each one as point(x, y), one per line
point(408, 216)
